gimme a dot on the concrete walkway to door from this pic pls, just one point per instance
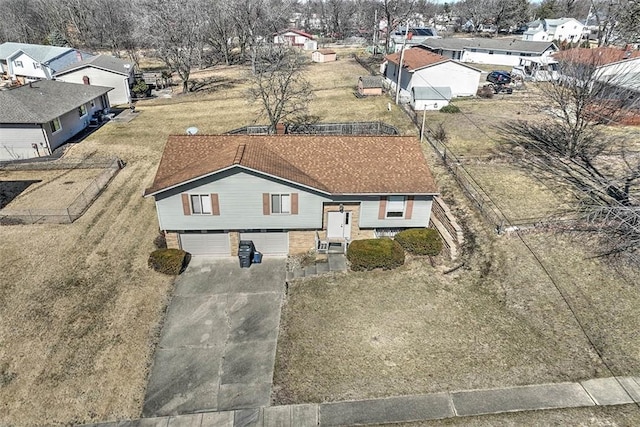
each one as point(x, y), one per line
point(218, 343)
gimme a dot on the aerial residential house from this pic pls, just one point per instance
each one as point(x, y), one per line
point(421, 68)
point(102, 70)
point(415, 36)
point(295, 38)
point(489, 51)
point(288, 193)
point(370, 85)
point(562, 30)
point(29, 62)
point(323, 55)
point(38, 117)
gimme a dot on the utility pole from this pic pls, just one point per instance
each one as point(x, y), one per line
point(404, 43)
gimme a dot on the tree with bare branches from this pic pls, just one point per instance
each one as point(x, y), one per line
point(279, 85)
point(573, 149)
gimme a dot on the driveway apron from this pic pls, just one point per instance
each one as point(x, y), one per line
point(218, 343)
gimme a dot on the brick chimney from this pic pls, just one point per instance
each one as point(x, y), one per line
point(280, 128)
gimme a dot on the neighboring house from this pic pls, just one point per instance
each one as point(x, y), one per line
point(288, 193)
point(295, 38)
point(323, 55)
point(102, 70)
point(429, 98)
point(29, 62)
point(561, 29)
point(618, 69)
point(421, 68)
point(414, 37)
point(38, 117)
point(370, 85)
point(489, 51)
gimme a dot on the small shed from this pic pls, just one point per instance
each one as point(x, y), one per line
point(370, 85)
point(429, 98)
point(323, 55)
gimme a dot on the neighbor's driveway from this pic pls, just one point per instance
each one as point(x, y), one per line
point(218, 343)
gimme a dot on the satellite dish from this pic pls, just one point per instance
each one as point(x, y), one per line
point(192, 130)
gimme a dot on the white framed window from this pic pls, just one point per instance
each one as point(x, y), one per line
point(18, 63)
point(55, 125)
point(82, 110)
point(36, 66)
point(395, 207)
point(201, 204)
point(281, 203)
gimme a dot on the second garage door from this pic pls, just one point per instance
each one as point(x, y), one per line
point(269, 242)
point(210, 244)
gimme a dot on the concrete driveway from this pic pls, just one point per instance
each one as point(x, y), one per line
point(218, 343)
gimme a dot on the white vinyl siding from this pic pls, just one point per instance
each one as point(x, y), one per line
point(97, 77)
point(241, 205)
point(370, 208)
point(16, 142)
point(208, 244)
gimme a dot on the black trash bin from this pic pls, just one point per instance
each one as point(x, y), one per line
point(246, 250)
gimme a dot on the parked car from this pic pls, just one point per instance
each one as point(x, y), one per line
point(499, 77)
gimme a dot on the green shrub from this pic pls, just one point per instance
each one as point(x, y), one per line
point(168, 261)
point(375, 253)
point(451, 109)
point(420, 241)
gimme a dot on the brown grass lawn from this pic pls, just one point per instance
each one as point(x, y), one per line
point(502, 322)
point(56, 189)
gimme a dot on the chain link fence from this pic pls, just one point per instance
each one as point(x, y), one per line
point(78, 206)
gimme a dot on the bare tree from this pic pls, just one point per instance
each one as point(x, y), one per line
point(279, 85)
point(572, 148)
point(396, 12)
point(174, 28)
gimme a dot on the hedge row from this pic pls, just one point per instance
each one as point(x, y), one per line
point(375, 253)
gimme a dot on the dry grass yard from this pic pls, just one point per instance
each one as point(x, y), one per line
point(56, 189)
point(81, 311)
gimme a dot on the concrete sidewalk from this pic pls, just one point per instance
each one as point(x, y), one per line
point(595, 392)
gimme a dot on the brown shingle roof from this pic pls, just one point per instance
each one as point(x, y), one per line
point(331, 164)
point(596, 56)
point(416, 58)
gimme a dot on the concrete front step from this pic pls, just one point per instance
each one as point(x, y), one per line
point(334, 263)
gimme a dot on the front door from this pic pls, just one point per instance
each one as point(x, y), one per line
point(339, 225)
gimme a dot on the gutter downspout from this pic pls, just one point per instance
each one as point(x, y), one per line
point(46, 138)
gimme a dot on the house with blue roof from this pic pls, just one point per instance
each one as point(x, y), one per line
point(29, 62)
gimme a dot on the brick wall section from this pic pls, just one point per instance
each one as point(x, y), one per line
point(172, 240)
point(301, 241)
point(234, 240)
point(443, 220)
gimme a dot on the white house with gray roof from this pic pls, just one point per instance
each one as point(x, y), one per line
point(37, 118)
point(29, 62)
point(561, 29)
point(489, 51)
point(102, 70)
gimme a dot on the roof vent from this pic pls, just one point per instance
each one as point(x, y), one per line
point(192, 130)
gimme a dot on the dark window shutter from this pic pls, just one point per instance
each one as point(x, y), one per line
point(265, 204)
point(382, 211)
point(186, 208)
point(409, 209)
point(294, 203)
point(215, 205)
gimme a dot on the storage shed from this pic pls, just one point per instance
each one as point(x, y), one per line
point(370, 85)
point(429, 98)
point(323, 55)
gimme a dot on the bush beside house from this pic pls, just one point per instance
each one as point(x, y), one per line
point(370, 254)
point(420, 241)
point(168, 261)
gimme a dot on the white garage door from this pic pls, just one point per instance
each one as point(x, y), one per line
point(211, 244)
point(269, 243)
